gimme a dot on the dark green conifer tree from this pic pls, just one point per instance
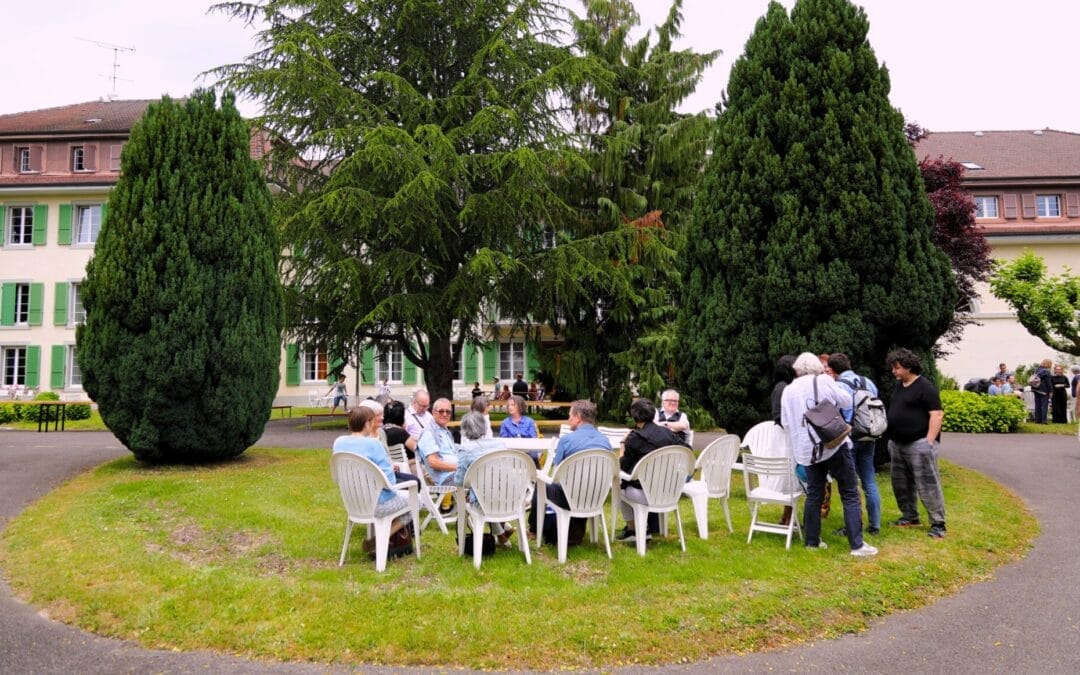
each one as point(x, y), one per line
point(811, 230)
point(181, 344)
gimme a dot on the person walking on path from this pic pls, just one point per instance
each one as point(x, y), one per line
point(915, 417)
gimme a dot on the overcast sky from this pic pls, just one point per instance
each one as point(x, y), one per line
point(955, 65)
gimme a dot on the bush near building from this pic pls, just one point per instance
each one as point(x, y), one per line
point(968, 412)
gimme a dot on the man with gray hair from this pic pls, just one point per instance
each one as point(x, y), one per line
point(810, 387)
point(436, 447)
point(417, 417)
point(668, 415)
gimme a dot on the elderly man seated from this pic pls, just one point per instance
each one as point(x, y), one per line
point(436, 446)
point(583, 436)
point(668, 415)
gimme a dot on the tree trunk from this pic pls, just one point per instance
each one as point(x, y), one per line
point(439, 373)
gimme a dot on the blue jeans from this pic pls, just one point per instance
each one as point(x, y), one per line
point(842, 467)
point(1042, 404)
point(864, 467)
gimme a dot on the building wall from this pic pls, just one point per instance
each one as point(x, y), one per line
point(1000, 337)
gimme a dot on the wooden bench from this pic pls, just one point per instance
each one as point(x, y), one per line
point(282, 408)
point(311, 415)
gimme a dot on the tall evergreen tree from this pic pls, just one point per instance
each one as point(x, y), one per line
point(645, 160)
point(181, 344)
point(811, 230)
point(441, 166)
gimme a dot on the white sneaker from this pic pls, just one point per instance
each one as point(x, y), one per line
point(821, 545)
point(864, 551)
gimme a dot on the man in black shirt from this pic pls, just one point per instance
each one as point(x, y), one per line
point(915, 417)
point(521, 387)
point(646, 437)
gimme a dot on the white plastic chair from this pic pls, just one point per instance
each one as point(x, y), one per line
point(769, 439)
point(360, 482)
point(770, 472)
point(431, 496)
point(615, 435)
point(587, 478)
point(715, 463)
point(565, 429)
point(397, 454)
point(662, 474)
point(500, 481)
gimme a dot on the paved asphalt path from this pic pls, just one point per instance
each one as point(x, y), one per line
point(1025, 620)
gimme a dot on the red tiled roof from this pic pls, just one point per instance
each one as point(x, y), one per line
point(1007, 154)
point(112, 116)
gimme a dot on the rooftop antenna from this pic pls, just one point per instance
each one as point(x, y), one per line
point(116, 49)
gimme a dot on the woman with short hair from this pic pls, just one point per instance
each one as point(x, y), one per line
point(517, 424)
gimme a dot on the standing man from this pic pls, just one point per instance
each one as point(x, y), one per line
point(670, 417)
point(437, 447)
point(340, 395)
point(521, 387)
point(915, 417)
point(810, 386)
point(1002, 372)
point(417, 417)
point(840, 365)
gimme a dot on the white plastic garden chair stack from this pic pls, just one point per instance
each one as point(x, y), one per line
point(500, 481)
point(715, 463)
point(662, 474)
point(587, 478)
point(360, 482)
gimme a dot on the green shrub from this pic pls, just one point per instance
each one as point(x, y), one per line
point(78, 411)
point(8, 413)
point(47, 396)
point(969, 412)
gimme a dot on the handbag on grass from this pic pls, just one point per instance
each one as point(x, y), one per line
point(829, 425)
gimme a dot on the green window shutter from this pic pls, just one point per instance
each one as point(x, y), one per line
point(491, 362)
point(367, 371)
point(7, 304)
point(408, 371)
point(104, 210)
point(60, 304)
point(33, 361)
point(63, 236)
point(470, 364)
point(3, 224)
point(58, 365)
point(292, 366)
point(41, 220)
point(37, 297)
point(532, 363)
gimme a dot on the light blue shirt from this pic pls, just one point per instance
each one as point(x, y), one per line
point(470, 452)
point(995, 390)
point(584, 437)
point(369, 448)
point(437, 440)
point(853, 377)
point(526, 428)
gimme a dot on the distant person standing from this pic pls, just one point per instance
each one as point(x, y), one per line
point(915, 416)
point(340, 395)
point(1002, 372)
point(476, 390)
point(1075, 383)
point(1042, 391)
point(1059, 396)
point(384, 389)
point(521, 387)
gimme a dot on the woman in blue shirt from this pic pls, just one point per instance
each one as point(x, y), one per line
point(364, 441)
point(517, 424)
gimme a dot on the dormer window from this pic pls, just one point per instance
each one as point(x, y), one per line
point(24, 160)
point(28, 158)
point(1048, 206)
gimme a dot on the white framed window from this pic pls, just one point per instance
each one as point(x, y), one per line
point(24, 160)
point(314, 365)
point(13, 365)
point(459, 364)
point(78, 158)
point(986, 206)
point(21, 225)
point(22, 304)
point(73, 375)
point(1048, 206)
point(87, 223)
point(388, 362)
point(511, 360)
point(76, 311)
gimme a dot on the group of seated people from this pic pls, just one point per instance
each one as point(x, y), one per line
point(426, 434)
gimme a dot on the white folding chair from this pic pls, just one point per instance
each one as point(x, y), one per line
point(715, 463)
point(587, 478)
point(432, 496)
point(500, 481)
point(770, 472)
point(662, 474)
point(361, 482)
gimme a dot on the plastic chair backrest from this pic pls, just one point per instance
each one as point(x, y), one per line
point(769, 470)
point(715, 463)
point(662, 474)
point(360, 482)
point(586, 478)
point(499, 480)
point(397, 453)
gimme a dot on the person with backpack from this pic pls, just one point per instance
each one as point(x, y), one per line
point(865, 390)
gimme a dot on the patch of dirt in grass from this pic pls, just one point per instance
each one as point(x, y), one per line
point(583, 572)
point(196, 546)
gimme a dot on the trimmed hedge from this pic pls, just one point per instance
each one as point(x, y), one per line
point(8, 413)
point(973, 413)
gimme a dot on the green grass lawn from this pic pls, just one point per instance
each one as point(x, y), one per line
point(242, 558)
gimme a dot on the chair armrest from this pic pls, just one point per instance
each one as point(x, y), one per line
point(544, 478)
point(623, 475)
point(407, 486)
